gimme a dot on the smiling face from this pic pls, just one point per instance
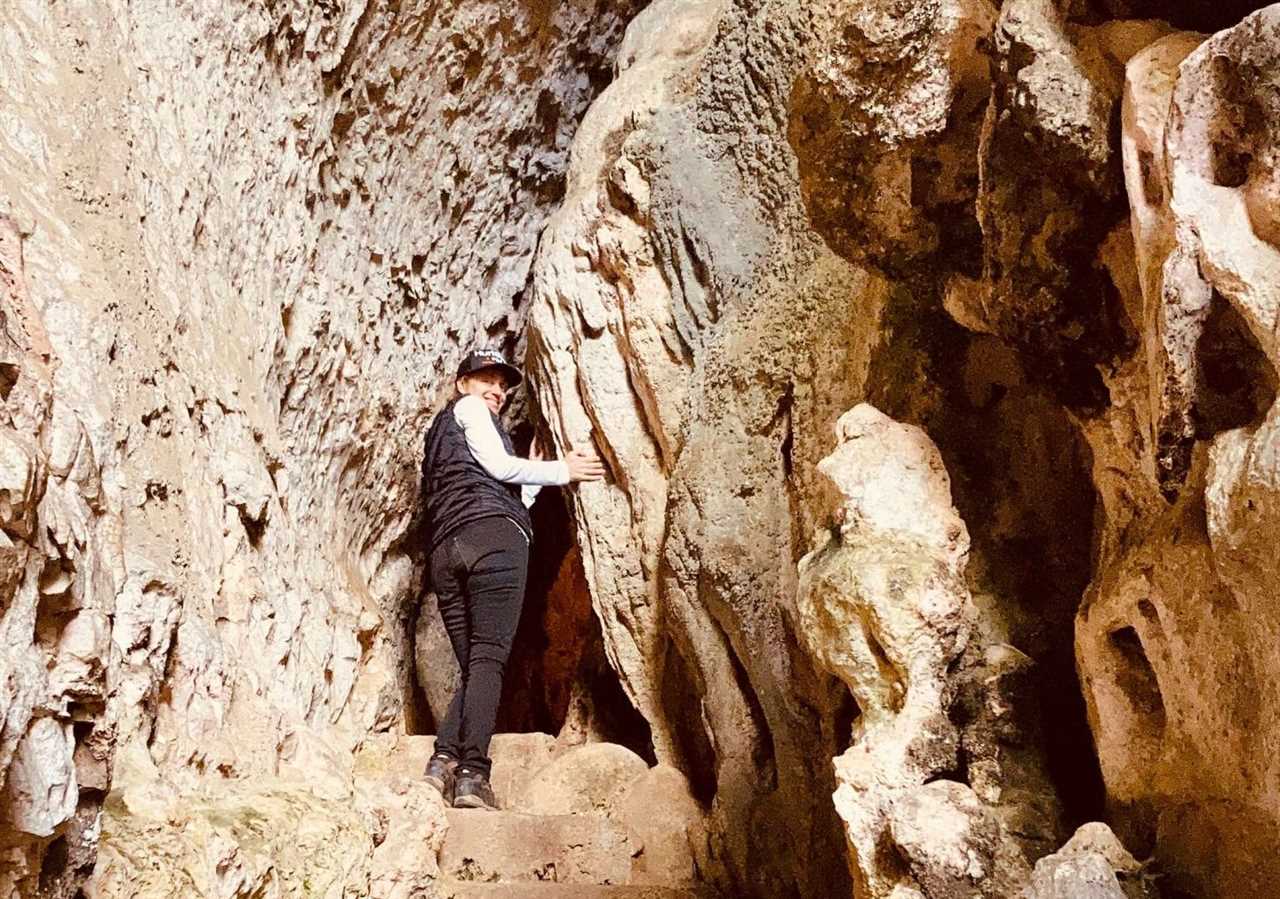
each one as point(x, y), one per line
point(490, 384)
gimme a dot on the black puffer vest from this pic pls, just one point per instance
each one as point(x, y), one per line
point(457, 489)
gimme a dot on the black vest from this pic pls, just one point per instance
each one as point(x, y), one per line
point(457, 489)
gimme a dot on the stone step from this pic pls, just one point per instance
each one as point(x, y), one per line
point(506, 846)
point(452, 890)
point(516, 759)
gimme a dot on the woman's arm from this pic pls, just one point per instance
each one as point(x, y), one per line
point(487, 449)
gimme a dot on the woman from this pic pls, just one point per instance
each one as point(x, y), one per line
point(477, 498)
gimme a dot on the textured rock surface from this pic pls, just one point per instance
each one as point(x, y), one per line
point(1174, 638)
point(582, 779)
point(259, 237)
point(572, 816)
point(1092, 865)
point(661, 215)
point(701, 319)
point(884, 606)
point(62, 563)
point(766, 216)
point(243, 246)
point(322, 835)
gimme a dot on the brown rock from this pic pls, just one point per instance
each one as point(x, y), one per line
point(887, 157)
point(1051, 188)
point(1168, 637)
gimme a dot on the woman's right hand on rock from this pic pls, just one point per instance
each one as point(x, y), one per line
point(584, 465)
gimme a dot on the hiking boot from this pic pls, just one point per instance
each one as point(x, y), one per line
point(471, 790)
point(440, 774)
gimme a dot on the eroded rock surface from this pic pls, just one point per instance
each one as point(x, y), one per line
point(243, 246)
point(1173, 639)
point(699, 318)
point(62, 564)
point(778, 213)
point(1092, 865)
point(317, 832)
point(883, 605)
point(258, 237)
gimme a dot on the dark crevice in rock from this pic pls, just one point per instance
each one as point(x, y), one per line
point(9, 374)
point(682, 698)
point(762, 755)
point(254, 528)
point(1236, 384)
point(1021, 477)
point(555, 625)
point(846, 713)
point(1192, 15)
point(597, 700)
point(54, 865)
point(1137, 679)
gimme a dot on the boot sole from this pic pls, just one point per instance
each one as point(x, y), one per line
point(438, 784)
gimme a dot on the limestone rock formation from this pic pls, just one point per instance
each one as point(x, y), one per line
point(1092, 865)
point(884, 606)
point(626, 830)
point(1034, 246)
point(688, 323)
point(1172, 636)
point(699, 320)
point(1050, 188)
point(887, 162)
point(62, 566)
point(257, 240)
point(316, 833)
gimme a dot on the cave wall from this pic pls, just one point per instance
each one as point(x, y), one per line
point(242, 248)
point(258, 236)
point(1174, 639)
point(779, 211)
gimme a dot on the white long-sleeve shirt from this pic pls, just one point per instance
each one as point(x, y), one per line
point(486, 447)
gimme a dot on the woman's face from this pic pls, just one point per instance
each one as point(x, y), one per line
point(490, 384)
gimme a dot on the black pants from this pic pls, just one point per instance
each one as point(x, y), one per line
point(479, 573)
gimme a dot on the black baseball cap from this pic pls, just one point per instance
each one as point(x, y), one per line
point(490, 358)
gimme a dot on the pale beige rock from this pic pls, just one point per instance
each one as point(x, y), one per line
point(60, 568)
point(1092, 865)
point(1098, 838)
point(948, 838)
point(40, 789)
point(586, 778)
point(618, 298)
point(659, 810)
point(241, 838)
point(884, 606)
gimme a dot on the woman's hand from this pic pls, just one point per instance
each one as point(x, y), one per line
point(584, 465)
